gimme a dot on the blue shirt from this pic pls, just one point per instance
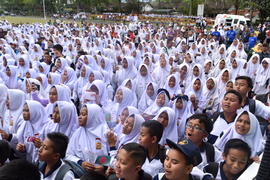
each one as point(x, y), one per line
point(216, 34)
point(252, 41)
point(231, 34)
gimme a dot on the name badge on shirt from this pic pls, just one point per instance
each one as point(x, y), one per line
point(98, 143)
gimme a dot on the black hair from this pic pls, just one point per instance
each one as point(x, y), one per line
point(248, 79)
point(136, 152)
point(203, 119)
point(93, 175)
point(60, 143)
point(4, 151)
point(58, 47)
point(165, 91)
point(155, 128)
point(237, 144)
point(239, 97)
point(19, 169)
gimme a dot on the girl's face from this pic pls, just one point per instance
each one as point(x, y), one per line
point(124, 115)
point(254, 59)
point(119, 96)
point(27, 75)
point(161, 100)
point(40, 68)
point(222, 64)
point(56, 115)
point(26, 112)
point(163, 118)
point(53, 95)
point(197, 85)
point(196, 71)
point(150, 90)
point(221, 51)
point(229, 86)
point(58, 63)
point(83, 72)
point(162, 62)
point(8, 72)
point(210, 84)
point(264, 64)
point(183, 71)
point(102, 63)
point(128, 125)
point(124, 64)
point(146, 61)
point(91, 77)
point(143, 71)
point(172, 82)
point(233, 55)
point(49, 79)
point(83, 116)
point(242, 125)
point(234, 64)
point(179, 103)
point(129, 84)
point(21, 62)
point(225, 76)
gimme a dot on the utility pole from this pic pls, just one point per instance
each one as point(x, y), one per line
point(44, 10)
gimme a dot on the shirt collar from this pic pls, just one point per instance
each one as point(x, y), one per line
point(56, 166)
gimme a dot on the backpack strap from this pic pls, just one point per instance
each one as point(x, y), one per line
point(62, 172)
point(252, 105)
point(210, 152)
point(212, 168)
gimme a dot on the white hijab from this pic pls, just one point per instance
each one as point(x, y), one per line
point(134, 134)
point(85, 138)
point(253, 138)
point(170, 132)
point(32, 128)
point(146, 100)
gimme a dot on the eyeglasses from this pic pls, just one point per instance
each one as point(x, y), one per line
point(194, 127)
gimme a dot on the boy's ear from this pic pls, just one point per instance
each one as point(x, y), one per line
point(138, 168)
point(56, 156)
point(154, 139)
point(188, 169)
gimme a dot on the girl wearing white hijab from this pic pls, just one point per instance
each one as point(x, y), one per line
point(80, 83)
point(237, 68)
point(14, 102)
point(166, 116)
point(262, 77)
point(211, 96)
point(143, 78)
point(245, 127)
point(24, 65)
point(132, 86)
point(218, 68)
point(221, 54)
point(36, 53)
point(148, 97)
point(222, 80)
point(127, 71)
point(195, 95)
point(64, 119)
point(57, 93)
point(43, 68)
point(130, 130)
point(161, 72)
point(162, 100)
point(181, 107)
point(53, 79)
point(89, 140)
point(172, 85)
point(10, 78)
point(122, 99)
point(3, 97)
point(129, 110)
point(253, 65)
point(34, 117)
point(69, 77)
point(60, 65)
point(241, 51)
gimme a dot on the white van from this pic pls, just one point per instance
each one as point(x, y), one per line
point(231, 20)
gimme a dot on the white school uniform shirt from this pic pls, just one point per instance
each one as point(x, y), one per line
point(154, 167)
point(220, 125)
point(68, 176)
point(261, 109)
point(218, 158)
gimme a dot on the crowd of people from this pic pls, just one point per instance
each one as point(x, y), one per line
point(137, 101)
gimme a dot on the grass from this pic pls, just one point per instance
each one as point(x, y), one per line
point(24, 19)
